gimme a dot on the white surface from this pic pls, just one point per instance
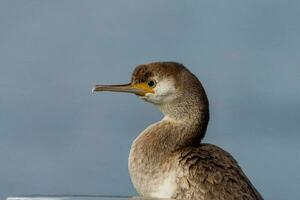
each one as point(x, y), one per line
point(68, 197)
point(82, 197)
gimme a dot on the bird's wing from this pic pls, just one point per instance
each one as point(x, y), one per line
point(208, 172)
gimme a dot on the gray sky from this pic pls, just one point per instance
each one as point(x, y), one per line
point(56, 137)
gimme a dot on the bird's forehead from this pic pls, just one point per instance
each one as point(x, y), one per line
point(142, 73)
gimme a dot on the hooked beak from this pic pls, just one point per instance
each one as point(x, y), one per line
point(139, 89)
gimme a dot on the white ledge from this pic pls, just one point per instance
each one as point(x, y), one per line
point(78, 197)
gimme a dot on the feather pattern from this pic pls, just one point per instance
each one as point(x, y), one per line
point(208, 172)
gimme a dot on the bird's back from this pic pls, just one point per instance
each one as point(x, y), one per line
point(208, 172)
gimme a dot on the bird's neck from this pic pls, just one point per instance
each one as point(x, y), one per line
point(190, 112)
point(184, 125)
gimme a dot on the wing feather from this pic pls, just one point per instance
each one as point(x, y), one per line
point(208, 172)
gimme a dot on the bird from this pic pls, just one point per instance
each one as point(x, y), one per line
point(168, 158)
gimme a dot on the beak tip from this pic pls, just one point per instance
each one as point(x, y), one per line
point(94, 89)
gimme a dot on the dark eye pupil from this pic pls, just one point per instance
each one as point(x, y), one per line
point(151, 83)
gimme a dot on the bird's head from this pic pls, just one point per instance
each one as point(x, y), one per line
point(161, 83)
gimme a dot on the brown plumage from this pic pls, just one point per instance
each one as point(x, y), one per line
point(168, 160)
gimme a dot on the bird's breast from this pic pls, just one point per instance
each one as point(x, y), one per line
point(150, 176)
point(155, 182)
point(166, 187)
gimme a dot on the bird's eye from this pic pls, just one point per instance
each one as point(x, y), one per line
point(151, 83)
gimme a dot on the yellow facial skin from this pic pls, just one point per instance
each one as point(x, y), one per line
point(144, 87)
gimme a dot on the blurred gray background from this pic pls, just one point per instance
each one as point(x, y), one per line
point(56, 137)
